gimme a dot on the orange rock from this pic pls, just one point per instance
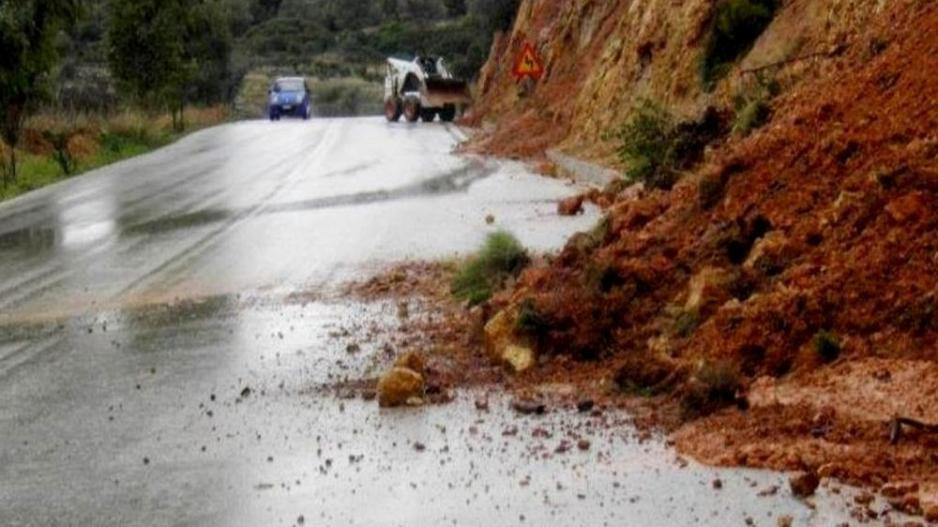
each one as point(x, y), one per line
point(412, 360)
point(399, 387)
point(570, 206)
point(908, 207)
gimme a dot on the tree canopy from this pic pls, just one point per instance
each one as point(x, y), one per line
point(27, 37)
point(164, 52)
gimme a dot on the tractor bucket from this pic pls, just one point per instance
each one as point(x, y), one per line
point(441, 92)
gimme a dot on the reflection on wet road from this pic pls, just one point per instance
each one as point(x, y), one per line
point(138, 302)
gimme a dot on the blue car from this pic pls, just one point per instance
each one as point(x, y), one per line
point(289, 96)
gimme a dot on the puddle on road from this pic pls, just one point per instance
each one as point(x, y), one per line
point(456, 181)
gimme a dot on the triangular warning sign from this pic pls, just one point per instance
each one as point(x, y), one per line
point(528, 64)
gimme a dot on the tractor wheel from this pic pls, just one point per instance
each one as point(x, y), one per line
point(412, 110)
point(448, 113)
point(393, 110)
point(427, 115)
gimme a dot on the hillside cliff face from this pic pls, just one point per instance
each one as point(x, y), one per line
point(792, 271)
point(603, 56)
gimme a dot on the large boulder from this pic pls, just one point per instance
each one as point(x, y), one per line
point(400, 387)
point(504, 345)
point(412, 360)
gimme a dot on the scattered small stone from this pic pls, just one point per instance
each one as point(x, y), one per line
point(718, 484)
point(353, 348)
point(583, 444)
point(301, 520)
point(771, 491)
point(528, 407)
point(585, 405)
point(864, 498)
point(804, 484)
point(511, 431)
point(369, 394)
point(419, 447)
point(784, 521)
point(246, 392)
point(146, 461)
point(563, 447)
point(482, 404)
point(542, 433)
point(489, 219)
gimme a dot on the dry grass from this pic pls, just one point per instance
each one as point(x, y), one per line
point(54, 146)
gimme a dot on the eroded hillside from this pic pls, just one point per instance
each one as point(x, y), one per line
point(786, 287)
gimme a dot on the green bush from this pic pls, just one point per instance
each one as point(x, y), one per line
point(500, 258)
point(531, 321)
point(656, 147)
point(827, 345)
point(736, 26)
point(752, 105)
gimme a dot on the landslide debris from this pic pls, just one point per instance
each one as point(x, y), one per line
point(788, 263)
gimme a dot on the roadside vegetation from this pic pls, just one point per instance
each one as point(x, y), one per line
point(58, 146)
point(501, 258)
point(752, 104)
point(656, 146)
point(72, 68)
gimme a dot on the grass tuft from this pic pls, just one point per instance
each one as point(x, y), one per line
point(500, 258)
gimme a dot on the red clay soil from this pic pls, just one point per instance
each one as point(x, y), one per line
point(823, 222)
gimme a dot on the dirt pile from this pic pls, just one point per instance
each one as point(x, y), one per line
point(792, 277)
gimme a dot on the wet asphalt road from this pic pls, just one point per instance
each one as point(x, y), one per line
point(157, 367)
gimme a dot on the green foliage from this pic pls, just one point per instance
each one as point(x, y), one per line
point(495, 15)
point(27, 39)
point(60, 152)
point(655, 146)
point(500, 258)
point(530, 320)
point(346, 97)
point(736, 26)
point(827, 345)
point(164, 52)
point(646, 145)
point(750, 115)
point(752, 105)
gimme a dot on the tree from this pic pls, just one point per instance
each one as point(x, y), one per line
point(27, 32)
point(455, 8)
point(163, 51)
point(389, 10)
point(495, 15)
